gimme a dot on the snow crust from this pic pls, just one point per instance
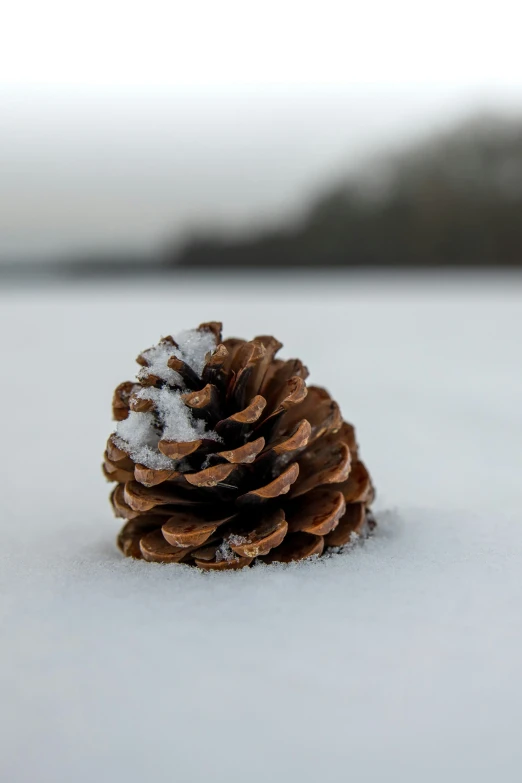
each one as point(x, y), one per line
point(139, 436)
point(177, 420)
point(399, 661)
point(193, 346)
point(140, 433)
point(157, 358)
point(224, 552)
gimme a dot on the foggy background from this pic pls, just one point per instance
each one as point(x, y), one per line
point(125, 135)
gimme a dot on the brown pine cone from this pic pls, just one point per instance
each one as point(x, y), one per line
point(223, 455)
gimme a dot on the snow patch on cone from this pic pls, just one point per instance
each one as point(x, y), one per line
point(192, 348)
point(140, 433)
point(138, 436)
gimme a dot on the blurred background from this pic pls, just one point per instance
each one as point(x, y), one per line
point(190, 136)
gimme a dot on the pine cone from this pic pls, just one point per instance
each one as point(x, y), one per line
point(223, 455)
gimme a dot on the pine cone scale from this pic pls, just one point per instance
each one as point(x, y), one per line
point(115, 472)
point(243, 455)
point(223, 565)
point(279, 486)
point(133, 531)
point(177, 450)
point(259, 538)
point(318, 512)
point(296, 546)
point(358, 486)
point(239, 424)
point(335, 467)
point(352, 523)
point(150, 477)
point(156, 549)
point(211, 477)
point(119, 506)
point(184, 530)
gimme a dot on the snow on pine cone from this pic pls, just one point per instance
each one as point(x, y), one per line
point(222, 455)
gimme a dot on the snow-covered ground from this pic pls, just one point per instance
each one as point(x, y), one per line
point(400, 661)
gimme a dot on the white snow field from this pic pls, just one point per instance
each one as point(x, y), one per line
point(399, 661)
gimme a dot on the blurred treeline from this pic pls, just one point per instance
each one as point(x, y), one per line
point(452, 200)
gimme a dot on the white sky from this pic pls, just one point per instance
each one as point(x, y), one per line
point(123, 42)
point(122, 124)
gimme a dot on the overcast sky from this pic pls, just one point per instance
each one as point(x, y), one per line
point(122, 124)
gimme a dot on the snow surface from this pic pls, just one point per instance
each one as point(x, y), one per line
point(397, 662)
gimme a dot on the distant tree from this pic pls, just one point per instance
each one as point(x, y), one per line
point(453, 200)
